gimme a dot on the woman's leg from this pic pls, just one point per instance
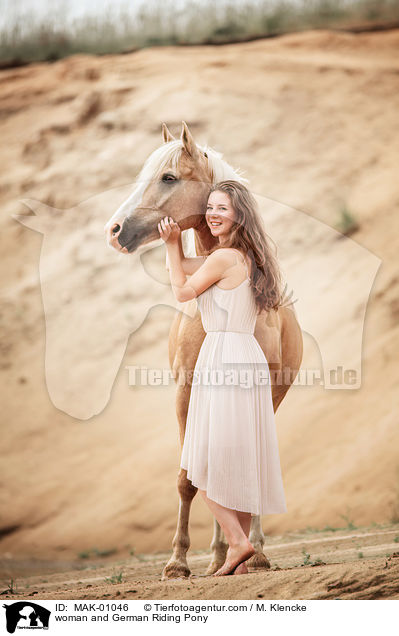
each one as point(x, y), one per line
point(245, 520)
point(240, 549)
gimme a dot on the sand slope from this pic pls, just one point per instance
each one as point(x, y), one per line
point(313, 120)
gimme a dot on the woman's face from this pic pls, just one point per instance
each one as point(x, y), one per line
point(220, 214)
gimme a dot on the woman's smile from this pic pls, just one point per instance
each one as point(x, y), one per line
point(215, 223)
point(219, 213)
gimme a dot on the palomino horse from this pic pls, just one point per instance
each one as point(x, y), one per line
point(175, 181)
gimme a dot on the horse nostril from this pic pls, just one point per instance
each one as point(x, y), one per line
point(115, 228)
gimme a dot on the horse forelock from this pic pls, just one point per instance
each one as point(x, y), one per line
point(169, 154)
point(166, 155)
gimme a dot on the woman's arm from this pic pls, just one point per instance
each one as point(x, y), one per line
point(210, 272)
point(212, 269)
point(191, 264)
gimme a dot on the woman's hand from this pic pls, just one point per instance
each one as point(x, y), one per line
point(169, 230)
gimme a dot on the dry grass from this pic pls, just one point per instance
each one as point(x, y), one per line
point(157, 24)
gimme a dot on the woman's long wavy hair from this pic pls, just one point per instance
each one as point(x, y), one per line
point(248, 235)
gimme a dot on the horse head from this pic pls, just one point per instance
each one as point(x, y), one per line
point(175, 181)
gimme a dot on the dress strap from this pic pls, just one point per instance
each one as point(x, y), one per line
point(245, 260)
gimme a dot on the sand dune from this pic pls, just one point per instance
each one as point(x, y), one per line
point(312, 118)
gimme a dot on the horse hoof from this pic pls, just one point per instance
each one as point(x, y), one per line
point(259, 560)
point(175, 570)
point(213, 567)
point(241, 569)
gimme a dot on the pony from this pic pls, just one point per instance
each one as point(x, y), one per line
point(175, 181)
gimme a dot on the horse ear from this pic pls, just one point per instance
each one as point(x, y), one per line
point(166, 134)
point(188, 141)
point(31, 221)
point(40, 220)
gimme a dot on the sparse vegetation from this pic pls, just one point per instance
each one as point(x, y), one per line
point(115, 578)
point(395, 507)
point(350, 525)
point(307, 560)
point(55, 36)
point(86, 554)
point(11, 588)
point(346, 223)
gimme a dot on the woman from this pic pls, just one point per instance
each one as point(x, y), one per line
point(230, 448)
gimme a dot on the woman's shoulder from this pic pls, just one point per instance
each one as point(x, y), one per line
point(222, 257)
point(225, 252)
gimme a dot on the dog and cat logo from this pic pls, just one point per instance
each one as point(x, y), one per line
point(26, 615)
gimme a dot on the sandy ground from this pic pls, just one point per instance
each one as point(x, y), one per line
point(312, 118)
point(362, 563)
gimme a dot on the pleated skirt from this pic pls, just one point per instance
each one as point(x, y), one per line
point(230, 446)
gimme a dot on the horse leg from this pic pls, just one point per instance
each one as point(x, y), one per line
point(177, 565)
point(257, 538)
point(219, 549)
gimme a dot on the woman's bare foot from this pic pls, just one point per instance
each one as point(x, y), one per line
point(241, 569)
point(235, 556)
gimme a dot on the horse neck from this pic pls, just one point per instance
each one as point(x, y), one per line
point(203, 239)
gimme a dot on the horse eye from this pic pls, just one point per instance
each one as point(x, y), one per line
point(205, 155)
point(168, 178)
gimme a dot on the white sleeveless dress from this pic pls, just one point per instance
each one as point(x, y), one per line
point(230, 447)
